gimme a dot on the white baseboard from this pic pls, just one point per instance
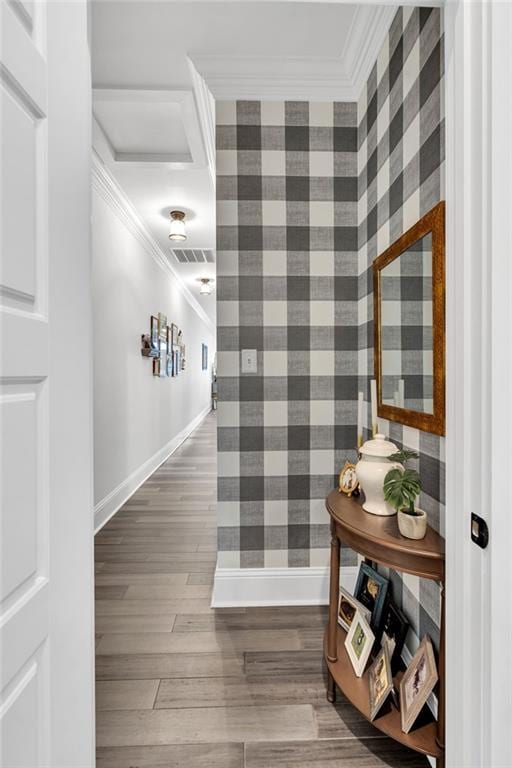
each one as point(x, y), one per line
point(114, 500)
point(243, 587)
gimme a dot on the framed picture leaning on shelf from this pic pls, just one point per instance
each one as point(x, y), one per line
point(371, 590)
point(347, 608)
point(359, 643)
point(417, 683)
point(380, 681)
point(393, 627)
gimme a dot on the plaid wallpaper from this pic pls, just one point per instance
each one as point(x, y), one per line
point(287, 287)
point(308, 195)
point(400, 162)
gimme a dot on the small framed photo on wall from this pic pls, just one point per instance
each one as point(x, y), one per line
point(204, 359)
point(154, 335)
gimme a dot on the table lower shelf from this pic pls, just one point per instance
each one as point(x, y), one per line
point(421, 738)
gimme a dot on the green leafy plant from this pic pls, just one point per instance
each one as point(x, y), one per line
point(402, 486)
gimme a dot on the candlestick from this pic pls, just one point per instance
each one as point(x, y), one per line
point(360, 419)
point(401, 393)
point(373, 393)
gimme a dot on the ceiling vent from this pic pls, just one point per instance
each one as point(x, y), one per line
point(194, 255)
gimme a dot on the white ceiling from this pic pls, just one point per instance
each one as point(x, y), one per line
point(155, 125)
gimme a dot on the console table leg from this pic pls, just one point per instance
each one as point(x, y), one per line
point(331, 688)
point(332, 653)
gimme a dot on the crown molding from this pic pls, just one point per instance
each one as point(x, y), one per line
point(364, 42)
point(106, 186)
point(255, 78)
point(205, 106)
point(304, 78)
point(414, 3)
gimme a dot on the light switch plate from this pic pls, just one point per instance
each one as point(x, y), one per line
point(249, 361)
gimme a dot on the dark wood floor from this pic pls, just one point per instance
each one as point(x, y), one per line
point(182, 685)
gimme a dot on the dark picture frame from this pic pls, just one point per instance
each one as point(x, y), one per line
point(371, 590)
point(154, 334)
point(204, 357)
point(393, 629)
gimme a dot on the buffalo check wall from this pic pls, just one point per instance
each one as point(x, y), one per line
point(287, 261)
point(400, 166)
point(308, 194)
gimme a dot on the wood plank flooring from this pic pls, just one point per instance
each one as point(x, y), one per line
point(180, 685)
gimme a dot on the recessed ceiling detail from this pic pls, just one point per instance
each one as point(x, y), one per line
point(194, 255)
point(147, 126)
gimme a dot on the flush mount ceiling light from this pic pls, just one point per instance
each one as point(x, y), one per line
point(177, 231)
point(206, 286)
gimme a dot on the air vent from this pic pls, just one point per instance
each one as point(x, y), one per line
point(194, 255)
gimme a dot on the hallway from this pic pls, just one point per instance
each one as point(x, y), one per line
point(181, 685)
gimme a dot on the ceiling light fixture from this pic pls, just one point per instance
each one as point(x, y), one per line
point(177, 231)
point(206, 286)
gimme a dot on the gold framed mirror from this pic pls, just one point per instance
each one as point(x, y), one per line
point(409, 326)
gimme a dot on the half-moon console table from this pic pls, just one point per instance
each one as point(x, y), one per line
point(378, 540)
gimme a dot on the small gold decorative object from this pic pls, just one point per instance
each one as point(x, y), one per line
point(347, 482)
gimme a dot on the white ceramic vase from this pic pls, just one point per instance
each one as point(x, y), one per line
point(371, 470)
point(413, 526)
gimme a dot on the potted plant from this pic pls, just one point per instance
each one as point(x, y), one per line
point(401, 489)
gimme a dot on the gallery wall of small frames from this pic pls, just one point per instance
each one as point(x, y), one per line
point(164, 346)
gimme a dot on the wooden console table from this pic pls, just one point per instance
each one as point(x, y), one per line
point(378, 540)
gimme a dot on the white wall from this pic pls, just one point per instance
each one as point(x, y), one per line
point(138, 418)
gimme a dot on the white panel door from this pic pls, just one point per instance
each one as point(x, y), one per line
point(34, 547)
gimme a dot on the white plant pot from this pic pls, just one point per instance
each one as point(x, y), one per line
point(371, 470)
point(413, 526)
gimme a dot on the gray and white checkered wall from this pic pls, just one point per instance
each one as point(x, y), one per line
point(287, 287)
point(400, 163)
point(308, 195)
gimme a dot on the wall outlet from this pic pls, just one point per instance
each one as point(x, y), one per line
point(249, 361)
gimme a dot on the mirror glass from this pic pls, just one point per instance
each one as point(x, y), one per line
point(407, 329)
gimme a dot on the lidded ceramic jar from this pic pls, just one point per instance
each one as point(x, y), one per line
point(371, 469)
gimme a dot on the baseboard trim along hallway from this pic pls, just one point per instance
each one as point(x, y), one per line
point(113, 501)
point(244, 587)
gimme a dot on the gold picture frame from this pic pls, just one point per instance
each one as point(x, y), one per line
point(380, 681)
point(347, 480)
point(417, 684)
